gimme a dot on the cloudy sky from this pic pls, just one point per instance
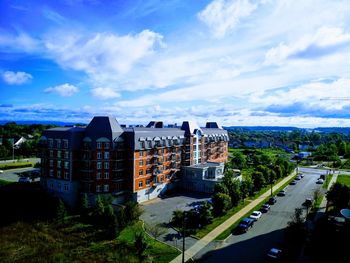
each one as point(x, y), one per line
point(238, 62)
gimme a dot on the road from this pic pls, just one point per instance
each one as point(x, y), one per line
point(268, 231)
point(12, 175)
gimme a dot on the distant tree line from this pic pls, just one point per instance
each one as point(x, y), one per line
point(15, 131)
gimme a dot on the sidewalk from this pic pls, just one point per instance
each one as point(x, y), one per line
point(200, 244)
point(322, 208)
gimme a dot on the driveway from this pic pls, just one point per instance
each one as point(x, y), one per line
point(161, 210)
point(267, 232)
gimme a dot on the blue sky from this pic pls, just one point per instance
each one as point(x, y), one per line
point(238, 62)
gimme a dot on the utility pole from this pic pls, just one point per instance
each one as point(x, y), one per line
point(183, 236)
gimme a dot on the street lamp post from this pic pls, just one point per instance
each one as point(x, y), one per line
point(183, 236)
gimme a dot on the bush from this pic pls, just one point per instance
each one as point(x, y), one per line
point(15, 166)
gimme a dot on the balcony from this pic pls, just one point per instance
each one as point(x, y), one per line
point(87, 178)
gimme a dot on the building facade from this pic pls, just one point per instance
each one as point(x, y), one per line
point(141, 162)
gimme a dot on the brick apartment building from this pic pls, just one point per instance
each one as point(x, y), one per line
point(106, 158)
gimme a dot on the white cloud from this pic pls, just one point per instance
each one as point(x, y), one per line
point(20, 42)
point(222, 16)
point(16, 78)
point(64, 90)
point(323, 37)
point(104, 93)
point(104, 57)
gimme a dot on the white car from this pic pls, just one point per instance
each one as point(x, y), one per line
point(319, 181)
point(255, 215)
point(274, 253)
point(1, 171)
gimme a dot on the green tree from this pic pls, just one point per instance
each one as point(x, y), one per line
point(205, 215)
point(247, 187)
point(177, 218)
point(110, 222)
point(132, 211)
point(221, 203)
point(239, 160)
point(339, 196)
point(61, 213)
point(141, 246)
point(258, 180)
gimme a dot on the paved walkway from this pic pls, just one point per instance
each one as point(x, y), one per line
point(322, 207)
point(200, 244)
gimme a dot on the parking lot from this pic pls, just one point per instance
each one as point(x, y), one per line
point(161, 210)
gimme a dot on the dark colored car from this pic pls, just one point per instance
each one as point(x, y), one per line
point(265, 207)
point(293, 182)
point(245, 224)
point(282, 193)
point(322, 176)
point(272, 200)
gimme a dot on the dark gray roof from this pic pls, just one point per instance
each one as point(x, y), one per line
point(211, 125)
point(154, 135)
point(189, 127)
point(103, 126)
point(74, 135)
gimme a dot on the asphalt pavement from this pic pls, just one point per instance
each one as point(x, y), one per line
point(267, 232)
point(12, 175)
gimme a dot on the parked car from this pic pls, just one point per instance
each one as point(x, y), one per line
point(255, 215)
point(293, 182)
point(297, 178)
point(282, 193)
point(245, 224)
point(322, 176)
point(272, 200)
point(24, 180)
point(308, 202)
point(301, 175)
point(265, 207)
point(274, 253)
point(1, 171)
point(319, 181)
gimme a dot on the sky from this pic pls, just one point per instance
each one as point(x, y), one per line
point(236, 62)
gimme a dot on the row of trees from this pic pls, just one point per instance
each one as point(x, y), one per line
point(230, 192)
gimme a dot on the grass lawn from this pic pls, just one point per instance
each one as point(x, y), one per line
point(3, 182)
point(326, 183)
point(159, 252)
point(344, 179)
point(73, 242)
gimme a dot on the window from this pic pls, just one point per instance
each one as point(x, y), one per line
point(147, 182)
point(50, 143)
point(98, 188)
point(66, 187)
point(148, 161)
point(99, 165)
point(106, 165)
point(66, 175)
point(98, 145)
point(66, 165)
point(142, 144)
point(58, 164)
point(98, 155)
point(106, 175)
point(51, 163)
point(162, 179)
point(141, 153)
point(150, 144)
point(51, 185)
point(164, 143)
point(51, 153)
point(51, 173)
point(98, 176)
point(58, 143)
point(106, 156)
point(65, 144)
point(107, 145)
point(58, 154)
point(148, 152)
point(140, 172)
point(106, 188)
point(148, 171)
point(141, 163)
point(167, 176)
point(140, 184)
point(59, 186)
point(66, 155)
point(58, 174)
